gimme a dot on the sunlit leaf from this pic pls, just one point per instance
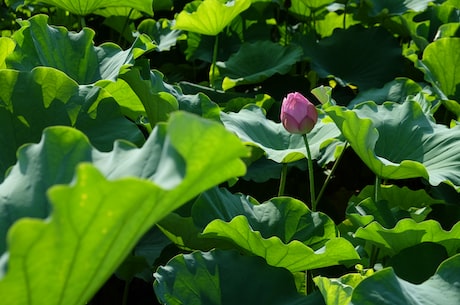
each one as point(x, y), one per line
point(251, 126)
point(407, 233)
point(211, 16)
point(85, 7)
point(399, 141)
point(165, 158)
point(38, 44)
point(32, 101)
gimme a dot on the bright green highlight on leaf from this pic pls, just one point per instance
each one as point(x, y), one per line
point(86, 7)
point(399, 141)
point(211, 16)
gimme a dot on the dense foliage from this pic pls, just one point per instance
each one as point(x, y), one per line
point(143, 161)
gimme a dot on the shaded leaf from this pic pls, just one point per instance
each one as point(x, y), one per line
point(385, 287)
point(348, 57)
point(211, 278)
point(249, 65)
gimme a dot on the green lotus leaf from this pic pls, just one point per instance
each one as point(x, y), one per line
point(399, 141)
point(394, 204)
point(284, 217)
point(32, 101)
point(251, 126)
point(389, 7)
point(294, 255)
point(385, 287)
point(38, 44)
point(160, 31)
point(119, 12)
point(212, 278)
point(249, 65)
point(438, 57)
point(365, 57)
point(338, 291)
point(86, 7)
point(211, 16)
point(7, 46)
point(170, 158)
point(398, 90)
point(93, 226)
point(407, 233)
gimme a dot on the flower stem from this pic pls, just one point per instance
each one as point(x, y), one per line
point(282, 180)
point(310, 174)
point(331, 173)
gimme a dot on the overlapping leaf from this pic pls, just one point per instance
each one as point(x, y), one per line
point(251, 125)
point(38, 44)
point(399, 141)
point(386, 288)
point(346, 57)
point(32, 101)
point(407, 233)
point(166, 158)
point(249, 65)
point(212, 278)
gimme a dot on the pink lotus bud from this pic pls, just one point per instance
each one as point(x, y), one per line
point(298, 115)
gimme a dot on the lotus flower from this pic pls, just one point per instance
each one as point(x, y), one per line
point(298, 114)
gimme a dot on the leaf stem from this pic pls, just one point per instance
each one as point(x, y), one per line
point(310, 174)
point(82, 22)
point(282, 179)
point(126, 292)
point(214, 60)
point(377, 186)
point(331, 173)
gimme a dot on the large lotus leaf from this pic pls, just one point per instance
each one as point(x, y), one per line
point(249, 65)
point(86, 7)
point(211, 16)
point(440, 57)
point(397, 7)
point(165, 158)
point(407, 233)
point(251, 125)
point(38, 44)
point(293, 255)
point(398, 90)
point(32, 101)
point(94, 225)
point(365, 57)
point(386, 288)
point(284, 217)
point(394, 204)
point(227, 278)
point(398, 141)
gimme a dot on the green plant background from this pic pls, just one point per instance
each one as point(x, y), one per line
point(141, 148)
